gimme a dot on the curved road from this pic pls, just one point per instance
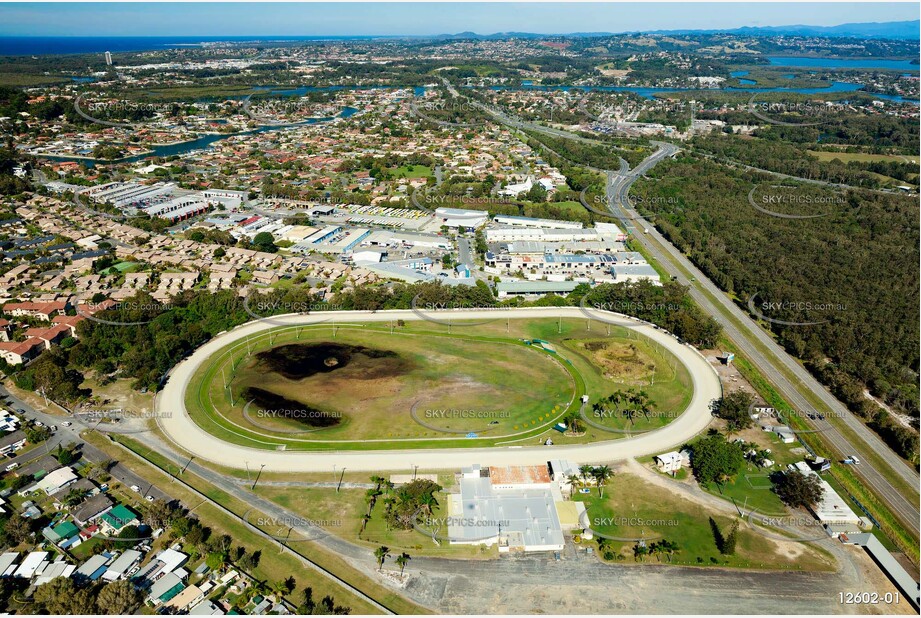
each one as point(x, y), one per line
point(179, 428)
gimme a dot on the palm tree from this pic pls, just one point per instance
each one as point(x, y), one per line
point(574, 480)
point(602, 475)
point(364, 523)
point(401, 561)
point(586, 472)
point(573, 420)
point(640, 551)
point(428, 503)
point(668, 548)
point(371, 498)
point(381, 553)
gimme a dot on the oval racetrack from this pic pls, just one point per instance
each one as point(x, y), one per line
point(183, 432)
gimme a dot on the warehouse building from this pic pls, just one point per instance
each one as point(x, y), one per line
point(513, 507)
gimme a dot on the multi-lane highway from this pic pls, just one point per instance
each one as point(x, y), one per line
point(793, 381)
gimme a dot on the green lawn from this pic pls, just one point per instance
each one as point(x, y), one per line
point(634, 509)
point(448, 376)
point(569, 205)
point(752, 486)
point(411, 171)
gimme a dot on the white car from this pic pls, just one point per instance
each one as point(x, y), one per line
point(136, 488)
point(67, 423)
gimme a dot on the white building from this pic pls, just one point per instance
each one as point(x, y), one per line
point(513, 507)
point(669, 462)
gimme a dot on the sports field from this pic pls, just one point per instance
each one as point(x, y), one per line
point(421, 385)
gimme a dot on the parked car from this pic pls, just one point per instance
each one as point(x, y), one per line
point(136, 488)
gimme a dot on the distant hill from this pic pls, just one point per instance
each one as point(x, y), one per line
point(870, 30)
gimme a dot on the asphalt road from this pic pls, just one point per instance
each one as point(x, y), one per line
point(743, 331)
point(66, 436)
point(464, 253)
point(175, 422)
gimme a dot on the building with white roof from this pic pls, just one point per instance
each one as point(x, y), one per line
point(33, 562)
point(122, 565)
point(669, 462)
point(56, 480)
point(8, 563)
point(519, 512)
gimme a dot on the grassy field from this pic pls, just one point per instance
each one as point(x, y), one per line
point(411, 171)
point(568, 205)
point(634, 509)
point(16, 80)
point(340, 513)
point(444, 384)
point(436, 369)
point(609, 365)
point(847, 157)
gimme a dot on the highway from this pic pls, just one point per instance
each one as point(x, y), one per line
point(175, 422)
point(775, 364)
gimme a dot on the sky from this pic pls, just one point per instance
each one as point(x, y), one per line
point(356, 19)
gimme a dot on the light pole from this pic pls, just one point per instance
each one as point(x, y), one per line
point(257, 477)
point(341, 476)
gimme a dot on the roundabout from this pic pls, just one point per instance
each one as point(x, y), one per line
point(356, 392)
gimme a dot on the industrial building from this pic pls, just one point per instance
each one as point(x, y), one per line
point(461, 218)
point(513, 507)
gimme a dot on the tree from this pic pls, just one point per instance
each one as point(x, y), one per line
point(640, 551)
point(574, 422)
point(713, 459)
point(17, 528)
point(264, 241)
point(216, 560)
point(602, 474)
point(284, 587)
point(381, 553)
point(158, 514)
point(128, 537)
point(118, 598)
point(735, 409)
point(729, 543)
point(537, 193)
point(75, 496)
point(64, 456)
point(37, 434)
point(401, 561)
point(799, 490)
point(666, 547)
point(61, 596)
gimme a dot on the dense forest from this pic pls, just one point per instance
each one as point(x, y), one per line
point(857, 267)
